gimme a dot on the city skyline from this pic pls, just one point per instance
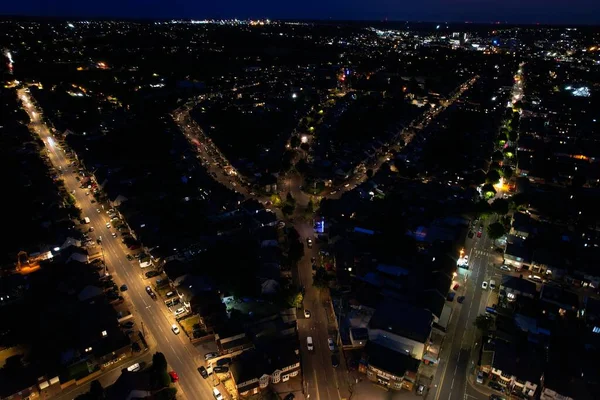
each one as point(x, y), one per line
point(584, 12)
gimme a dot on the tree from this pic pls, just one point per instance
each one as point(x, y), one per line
point(294, 142)
point(290, 199)
point(294, 299)
point(497, 156)
point(168, 393)
point(96, 392)
point(488, 191)
point(500, 206)
point(507, 172)
point(493, 177)
point(288, 209)
point(483, 322)
point(96, 389)
point(296, 251)
point(321, 278)
point(495, 230)
point(159, 362)
point(369, 173)
point(310, 207)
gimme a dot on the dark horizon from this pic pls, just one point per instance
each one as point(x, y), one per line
point(323, 21)
point(548, 12)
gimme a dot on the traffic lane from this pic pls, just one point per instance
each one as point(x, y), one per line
point(454, 374)
point(116, 255)
point(318, 371)
point(178, 355)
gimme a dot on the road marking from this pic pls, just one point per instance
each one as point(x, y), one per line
point(455, 368)
point(452, 385)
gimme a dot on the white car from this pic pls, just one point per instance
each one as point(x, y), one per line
point(134, 368)
point(484, 285)
point(179, 311)
point(175, 329)
point(108, 225)
point(331, 344)
point(306, 314)
point(505, 267)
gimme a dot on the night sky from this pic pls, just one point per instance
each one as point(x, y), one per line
point(517, 11)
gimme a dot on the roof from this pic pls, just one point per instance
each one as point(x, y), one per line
point(248, 366)
point(403, 320)
point(519, 284)
point(519, 252)
point(390, 361)
point(556, 294)
point(524, 362)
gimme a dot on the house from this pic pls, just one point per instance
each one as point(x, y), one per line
point(557, 301)
point(522, 225)
point(517, 256)
point(518, 366)
point(24, 381)
point(389, 368)
point(513, 287)
point(232, 339)
point(253, 370)
point(401, 327)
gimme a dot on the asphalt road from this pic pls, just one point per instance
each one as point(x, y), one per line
point(463, 345)
point(321, 379)
point(180, 354)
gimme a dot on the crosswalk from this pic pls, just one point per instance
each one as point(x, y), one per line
point(481, 253)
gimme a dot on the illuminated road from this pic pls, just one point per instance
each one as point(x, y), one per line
point(180, 354)
point(457, 359)
point(321, 380)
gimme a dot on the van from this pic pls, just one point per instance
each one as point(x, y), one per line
point(492, 284)
point(309, 343)
point(87, 220)
point(217, 394)
point(134, 368)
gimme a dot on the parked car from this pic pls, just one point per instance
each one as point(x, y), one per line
point(175, 329)
point(224, 361)
point(306, 313)
point(420, 390)
point(460, 299)
point(150, 292)
point(496, 386)
point(290, 396)
point(471, 234)
point(174, 376)
point(309, 243)
point(505, 267)
point(211, 355)
point(331, 344)
point(203, 372)
point(455, 287)
point(479, 233)
point(129, 257)
point(484, 285)
point(134, 367)
point(152, 274)
point(221, 370)
point(128, 324)
point(335, 361)
point(479, 377)
point(179, 311)
point(123, 288)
